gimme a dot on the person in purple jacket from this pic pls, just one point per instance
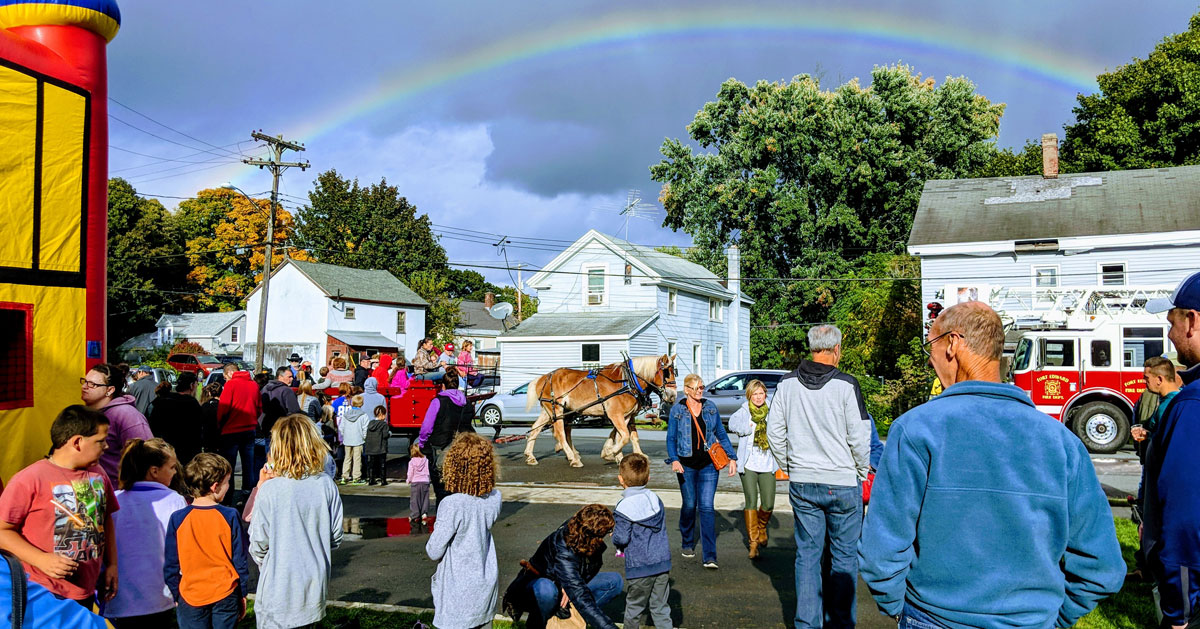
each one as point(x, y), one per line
point(448, 415)
point(103, 389)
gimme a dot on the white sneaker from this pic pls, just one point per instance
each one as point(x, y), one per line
point(711, 565)
point(689, 552)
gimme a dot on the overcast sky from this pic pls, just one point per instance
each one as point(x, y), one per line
point(535, 119)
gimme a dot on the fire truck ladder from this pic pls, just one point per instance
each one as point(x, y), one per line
point(1082, 307)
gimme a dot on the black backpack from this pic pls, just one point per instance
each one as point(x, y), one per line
point(16, 574)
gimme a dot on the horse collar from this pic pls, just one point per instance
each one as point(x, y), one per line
point(632, 374)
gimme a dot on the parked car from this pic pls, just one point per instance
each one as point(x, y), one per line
point(729, 391)
point(507, 408)
point(201, 364)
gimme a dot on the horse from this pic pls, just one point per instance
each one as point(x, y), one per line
point(570, 391)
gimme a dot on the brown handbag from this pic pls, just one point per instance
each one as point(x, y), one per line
point(717, 453)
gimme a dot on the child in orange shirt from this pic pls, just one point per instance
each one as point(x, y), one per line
point(207, 566)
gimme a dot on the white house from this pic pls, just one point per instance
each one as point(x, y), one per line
point(320, 311)
point(604, 295)
point(1021, 240)
point(221, 333)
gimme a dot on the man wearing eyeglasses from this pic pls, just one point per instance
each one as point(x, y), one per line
point(985, 512)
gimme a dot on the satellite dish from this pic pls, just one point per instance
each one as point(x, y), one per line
point(501, 310)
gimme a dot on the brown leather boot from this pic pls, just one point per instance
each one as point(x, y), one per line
point(752, 530)
point(764, 519)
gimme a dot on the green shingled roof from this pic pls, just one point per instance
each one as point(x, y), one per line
point(581, 324)
point(359, 284)
point(1083, 204)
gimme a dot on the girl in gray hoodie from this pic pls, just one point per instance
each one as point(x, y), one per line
point(466, 585)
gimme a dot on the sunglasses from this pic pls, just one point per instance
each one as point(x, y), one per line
point(699, 388)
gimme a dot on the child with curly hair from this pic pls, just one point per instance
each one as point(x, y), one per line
point(466, 587)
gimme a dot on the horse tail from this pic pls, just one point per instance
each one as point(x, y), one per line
point(534, 392)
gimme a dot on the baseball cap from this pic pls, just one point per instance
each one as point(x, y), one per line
point(144, 368)
point(1186, 295)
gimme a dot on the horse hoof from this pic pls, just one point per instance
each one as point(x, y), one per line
point(617, 459)
point(576, 463)
point(530, 461)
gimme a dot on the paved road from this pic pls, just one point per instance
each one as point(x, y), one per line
point(383, 562)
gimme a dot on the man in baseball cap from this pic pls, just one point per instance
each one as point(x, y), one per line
point(1171, 505)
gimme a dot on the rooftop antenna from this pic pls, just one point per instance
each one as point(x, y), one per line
point(633, 207)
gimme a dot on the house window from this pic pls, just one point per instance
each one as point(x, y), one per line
point(349, 313)
point(628, 274)
point(400, 321)
point(1045, 277)
point(672, 300)
point(1112, 274)
point(671, 345)
point(16, 355)
point(595, 286)
point(697, 352)
point(714, 310)
point(590, 354)
point(720, 357)
point(234, 334)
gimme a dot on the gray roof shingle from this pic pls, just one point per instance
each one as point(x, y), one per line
point(672, 268)
point(200, 323)
point(473, 315)
point(582, 324)
point(359, 284)
point(1032, 208)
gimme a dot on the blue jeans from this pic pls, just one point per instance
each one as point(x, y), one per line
point(222, 614)
point(240, 444)
point(698, 488)
point(913, 618)
point(821, 512)
point(604, 586)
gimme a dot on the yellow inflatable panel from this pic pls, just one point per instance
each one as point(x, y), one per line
point(18, 111)
point(62, 179)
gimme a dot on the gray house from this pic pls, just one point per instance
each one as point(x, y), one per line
point(1021, 242)
point(221, 333)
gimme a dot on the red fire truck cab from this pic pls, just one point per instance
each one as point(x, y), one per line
point(1081, 359)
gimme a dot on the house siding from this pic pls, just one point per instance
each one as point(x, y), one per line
point(1144, 266)
point(566, 294)
point(379, 318)
point(526, 360)
point(690, 325)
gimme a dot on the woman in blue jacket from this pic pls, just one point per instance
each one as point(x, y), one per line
point(687, 454)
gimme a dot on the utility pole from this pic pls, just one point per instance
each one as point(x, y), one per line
point(520, 286)
point(276, 166)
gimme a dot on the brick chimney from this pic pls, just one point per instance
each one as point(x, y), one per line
point(489, 300)
point(1049, 156)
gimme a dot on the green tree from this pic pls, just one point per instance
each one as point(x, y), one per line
point(1010, 163)
point(1146, 114)
point(807, 182)
point(366, 228)
point(376, 228)
point(143, 258)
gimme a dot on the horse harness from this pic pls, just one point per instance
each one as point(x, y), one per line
point(640, 393)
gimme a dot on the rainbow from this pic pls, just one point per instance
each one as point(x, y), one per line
point(898, 33)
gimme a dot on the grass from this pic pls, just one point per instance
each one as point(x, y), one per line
point(1133, 606)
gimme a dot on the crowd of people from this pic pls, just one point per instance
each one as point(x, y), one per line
point(984, 512)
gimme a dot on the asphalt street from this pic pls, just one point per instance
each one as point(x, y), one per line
point(383, 561)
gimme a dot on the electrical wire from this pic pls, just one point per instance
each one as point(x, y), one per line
point(165, 126)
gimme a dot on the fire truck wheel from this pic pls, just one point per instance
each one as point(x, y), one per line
point(1102, 427)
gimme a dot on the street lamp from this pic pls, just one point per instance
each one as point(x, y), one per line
point(260, 343)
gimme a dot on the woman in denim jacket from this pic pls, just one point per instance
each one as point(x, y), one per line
point(688, 456)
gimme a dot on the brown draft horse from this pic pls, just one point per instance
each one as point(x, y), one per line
point(566, 390)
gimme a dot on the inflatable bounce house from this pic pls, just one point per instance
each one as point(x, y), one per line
point(53, 197)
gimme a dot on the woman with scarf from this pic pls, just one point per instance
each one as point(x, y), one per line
point(749, 423)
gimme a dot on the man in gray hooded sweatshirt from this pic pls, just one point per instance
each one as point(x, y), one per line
point(819, 432)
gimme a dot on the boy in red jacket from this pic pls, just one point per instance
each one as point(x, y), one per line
point(237, 421)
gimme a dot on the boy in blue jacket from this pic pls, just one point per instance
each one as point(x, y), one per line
point(641, 532)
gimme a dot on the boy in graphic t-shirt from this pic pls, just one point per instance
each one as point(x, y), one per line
point(56, 514)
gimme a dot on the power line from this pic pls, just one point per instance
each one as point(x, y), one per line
point(189, 172)
point(191, 137)
point(155, 135)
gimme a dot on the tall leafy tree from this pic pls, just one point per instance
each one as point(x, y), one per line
point(1146, 114)
point(808, 181)
point(143, 260)
point(374, 227)
point(224, 233)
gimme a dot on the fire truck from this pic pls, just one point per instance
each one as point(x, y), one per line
point(1078, 352)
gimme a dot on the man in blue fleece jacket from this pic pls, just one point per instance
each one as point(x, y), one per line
point(985, 512)
point(1171, 512)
